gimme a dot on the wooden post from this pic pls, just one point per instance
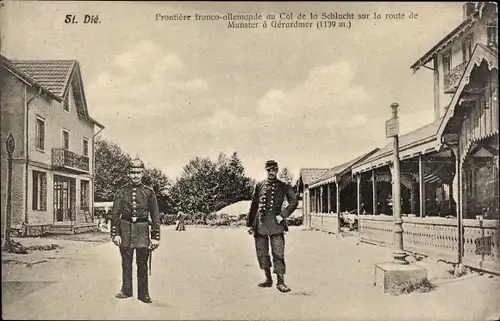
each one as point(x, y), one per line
point(358, 192)
point(413, 204)
point(329, 198)
point(421, 185)
point(374, 192)
point(321, 198)
point(315, 201)
point(337, 194)
point(338, 198)
point(457, 183)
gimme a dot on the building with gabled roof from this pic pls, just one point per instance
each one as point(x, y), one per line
point(43, 107)
point(448, 168)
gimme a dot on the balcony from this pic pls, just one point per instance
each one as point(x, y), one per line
point(64, 159)
point(452, 79)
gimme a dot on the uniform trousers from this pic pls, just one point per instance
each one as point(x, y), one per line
point(142, 256)
point(277, 248)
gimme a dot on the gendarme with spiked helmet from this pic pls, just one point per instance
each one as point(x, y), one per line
point(136, 163)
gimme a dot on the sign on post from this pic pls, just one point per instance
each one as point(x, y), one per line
point(392, 127)
point(10, 144)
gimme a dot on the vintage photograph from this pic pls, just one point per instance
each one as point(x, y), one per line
point(182, 160)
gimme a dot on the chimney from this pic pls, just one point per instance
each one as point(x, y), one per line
point(469, 8)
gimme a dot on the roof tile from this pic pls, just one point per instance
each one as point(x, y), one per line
point(310, 174)
point(51, 74)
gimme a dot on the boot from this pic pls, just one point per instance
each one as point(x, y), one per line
point(281, 284)
point(269, 280)
point(123, 295)
point(145, 298)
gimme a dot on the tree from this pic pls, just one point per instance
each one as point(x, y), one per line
point(195, 188)
point(207, 186)
point(285, 176)
point(110, 168)
point(162, 186)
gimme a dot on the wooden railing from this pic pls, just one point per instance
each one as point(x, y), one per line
point(432, 236)
point(481, 248)
point(452, 79)
point(325, 222)
point(376, 229)
point(438, 237)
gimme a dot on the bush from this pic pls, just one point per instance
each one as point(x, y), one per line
point(168, 219)
point(412, 285)
point(238, 223)
point(220, 221)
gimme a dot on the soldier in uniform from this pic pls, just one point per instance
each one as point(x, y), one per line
point(266, 222)
point(135, 208)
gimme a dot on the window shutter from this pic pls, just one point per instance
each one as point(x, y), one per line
point(43, 196)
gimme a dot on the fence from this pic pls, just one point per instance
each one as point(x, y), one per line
point(438, 237)
point(325, 222)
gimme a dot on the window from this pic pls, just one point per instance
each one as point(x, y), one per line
point(446, 63)
point(39, 191)
point(40, 133)
point(65, 139)
point(492, 35)
point(66, 102)
point(84, 193)
point(467, 49)
point(85, 147)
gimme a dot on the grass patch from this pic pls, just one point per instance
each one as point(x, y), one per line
point(49, 247)
point(410, 286)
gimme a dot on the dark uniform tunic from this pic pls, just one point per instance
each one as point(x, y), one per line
point(135, 209)
point(267, 202)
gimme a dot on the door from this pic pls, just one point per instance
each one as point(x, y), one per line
point(64, 198)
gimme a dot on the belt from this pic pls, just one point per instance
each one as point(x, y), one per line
point(135, 220)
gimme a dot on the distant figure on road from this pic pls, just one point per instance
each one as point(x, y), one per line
point(181, 217)
point(130, 229)
point(266, 222)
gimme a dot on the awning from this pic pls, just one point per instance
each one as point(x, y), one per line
point(418, 142)
point(333, 174)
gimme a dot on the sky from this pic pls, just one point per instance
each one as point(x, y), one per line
point(169, 91)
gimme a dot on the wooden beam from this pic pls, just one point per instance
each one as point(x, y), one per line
point(329, 198)
point(421, 184)
point(358, 192)
point(321, 199)
point(337, 190)
point(374, 192)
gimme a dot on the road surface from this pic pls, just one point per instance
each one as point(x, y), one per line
point(206, 273)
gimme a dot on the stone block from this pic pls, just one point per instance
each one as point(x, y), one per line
point(389, 274)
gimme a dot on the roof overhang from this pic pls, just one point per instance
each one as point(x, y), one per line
point(25, 78)
point(480, 54)
point(421, 147)
point(457, 32)
point(336, 173)
point(332, 179)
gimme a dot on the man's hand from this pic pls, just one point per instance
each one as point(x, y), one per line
point(279, 219)
point(250, 230)
point(117, 240)
point(155, 244)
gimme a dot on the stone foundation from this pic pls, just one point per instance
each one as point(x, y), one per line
point(389, 274)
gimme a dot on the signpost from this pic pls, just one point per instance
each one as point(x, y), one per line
point(392, 127)
point(10, 144)
point(391, 274)
point(392, 130)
